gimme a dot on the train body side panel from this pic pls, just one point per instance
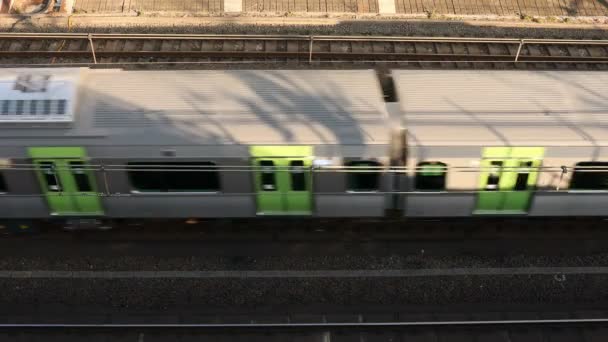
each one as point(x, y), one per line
point(178, 206)
point(333, 199)
point(551, 198)
point(548, 201)
point(24, 206)
point(236, 198)
point(459, 201)
point(570, 204)
point(24, 198)
point(440, 204)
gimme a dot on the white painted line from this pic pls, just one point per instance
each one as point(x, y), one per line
point(233, 6)
point(386, 7)
point(451, 272)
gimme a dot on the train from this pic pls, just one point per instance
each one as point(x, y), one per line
point(96, 145)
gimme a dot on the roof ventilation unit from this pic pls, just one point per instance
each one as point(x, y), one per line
point(38, 95)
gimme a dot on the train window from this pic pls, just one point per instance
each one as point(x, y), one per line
point(363, 175)
point(50, 176)
point(198, 176)
point(590, 176)
point(33, 107)
point(523, 174)
point(431, 176)
point(6, 106)
point(19, 110)
point(494, 175)
point(83, 184)
point(47, 107)
point(267, 175)
point(146, 176)
point(174, 176)
point(298, 177)
point(3, 187)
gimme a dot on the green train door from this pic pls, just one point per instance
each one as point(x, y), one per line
point(69, 187)
point(508, 179)
point(282, 179)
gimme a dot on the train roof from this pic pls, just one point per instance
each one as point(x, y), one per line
point(504, 107)
point(186, 107)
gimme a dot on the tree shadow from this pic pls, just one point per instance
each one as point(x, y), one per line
point(567, 103)
point(239, 107)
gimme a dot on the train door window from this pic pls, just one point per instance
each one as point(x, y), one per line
point(523, 174)
point(363, 175)
point(268, 175)
point(3, 187)
point(50, 176)
point(298, 176)
point(192, 177)
point(83, 184)
point(6, 107)
point(431, 176)
point(47, 107)
point(590, 176)
point(494, 175)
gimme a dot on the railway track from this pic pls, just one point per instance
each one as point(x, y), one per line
point(532, 330)
point(313, 229)
point(23, 49)
point(328, 230)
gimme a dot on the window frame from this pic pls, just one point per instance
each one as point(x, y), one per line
point(164, 189)
point(3, 183)
point(297, 176)
point(378, 173)
point(421, 164)
point(570, 189)
point(78, 170)
point(266, 176)
point(56, 178)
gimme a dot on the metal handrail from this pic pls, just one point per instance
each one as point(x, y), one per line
point(382, 169)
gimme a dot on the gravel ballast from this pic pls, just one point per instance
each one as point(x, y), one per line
point(448, 28)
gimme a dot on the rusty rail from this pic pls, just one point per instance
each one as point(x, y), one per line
point(311, 54)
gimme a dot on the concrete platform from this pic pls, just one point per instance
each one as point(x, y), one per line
point(431, 8)
point(505, 7)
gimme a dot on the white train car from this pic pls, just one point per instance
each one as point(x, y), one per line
point(503, 142)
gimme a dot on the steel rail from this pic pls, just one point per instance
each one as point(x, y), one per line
point(310, 54)
point(259, 62)
point(552, 322)
point(85, 36)
point(439, 57)
point(90, 50)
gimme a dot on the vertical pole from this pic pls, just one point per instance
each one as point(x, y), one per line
point(521, 45)
point(310, 50)
point(59, 185)
point(92, 48)
point(561, 177)
point(105, 180)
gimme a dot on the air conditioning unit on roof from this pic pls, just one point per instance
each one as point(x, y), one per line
point(38, 95)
